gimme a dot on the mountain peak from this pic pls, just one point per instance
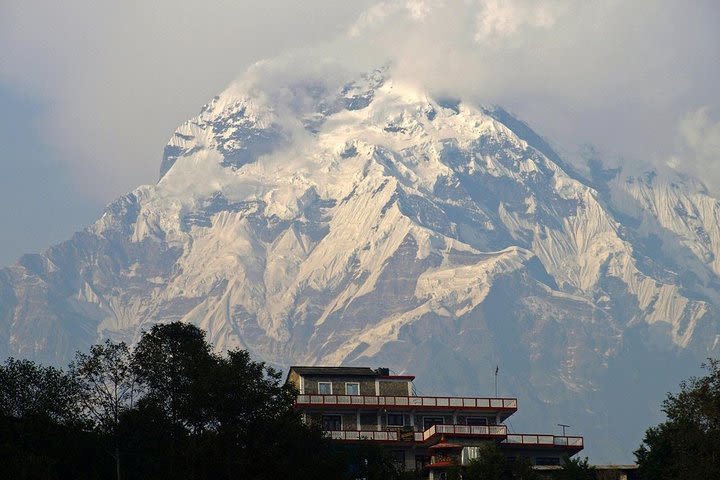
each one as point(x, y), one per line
point(313, 216)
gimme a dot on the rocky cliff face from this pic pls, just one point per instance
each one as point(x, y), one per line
point(367, 222)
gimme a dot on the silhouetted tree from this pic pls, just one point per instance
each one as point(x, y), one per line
point(490, 464)
point(107, 388)
point(687, 444)
point(169, 409)
point(41, 430)
point(576, 469)
point(30, 390)
point(522, 469)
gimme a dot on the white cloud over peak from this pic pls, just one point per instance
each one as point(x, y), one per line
point(118, 77)
point(698, 147)
point(498, 18)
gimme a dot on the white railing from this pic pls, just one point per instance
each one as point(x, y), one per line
point(350, 435)
point(395, 435)
point(569, 441)
point(409, 402)
point(469, 430)
point(547, 440)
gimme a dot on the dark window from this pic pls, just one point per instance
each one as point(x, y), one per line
point(547, 461)
point(430, 421)
point(395, 420)
point(398, 457)
point(331, 422)
point(475, 421)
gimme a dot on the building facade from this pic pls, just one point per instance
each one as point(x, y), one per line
point(429, 433)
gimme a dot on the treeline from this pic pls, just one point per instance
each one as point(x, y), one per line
point(170, 408)
point(687, 444)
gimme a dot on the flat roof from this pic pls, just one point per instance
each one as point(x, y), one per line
point(320, 370)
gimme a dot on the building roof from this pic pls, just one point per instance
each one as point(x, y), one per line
point(333, 371)
point(382, 373)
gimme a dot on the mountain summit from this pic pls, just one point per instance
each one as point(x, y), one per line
point(331, 220)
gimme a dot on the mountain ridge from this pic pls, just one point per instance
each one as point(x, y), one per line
point(364, 221)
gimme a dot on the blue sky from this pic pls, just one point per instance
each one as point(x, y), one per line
point(91, 90)
point(39, 205)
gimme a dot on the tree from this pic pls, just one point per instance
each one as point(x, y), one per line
point(490, 464)
point(172, 362)
point(369, 462)
point(42, 434)
point(107, 388)
point(28, 390)
point(198, 415)
point(522, 469)
point(686, 444)
point(223, 416)
point(576, 469)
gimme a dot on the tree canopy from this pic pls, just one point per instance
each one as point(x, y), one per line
point(170, 408)
point(687, 444)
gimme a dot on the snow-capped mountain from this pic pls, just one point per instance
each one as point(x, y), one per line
point(334, 220)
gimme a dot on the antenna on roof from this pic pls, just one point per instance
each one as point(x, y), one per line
point(497, 369)
point(563, 427)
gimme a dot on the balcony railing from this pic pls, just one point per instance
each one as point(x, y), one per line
point(451, 403)
point(466, 430)
point(545, 440)
point(394, 435)
point(388, 436)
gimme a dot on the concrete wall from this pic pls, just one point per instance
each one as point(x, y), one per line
point(367, 384)
point(394, 388)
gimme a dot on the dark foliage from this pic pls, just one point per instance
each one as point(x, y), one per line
point(576, 469)
point(491, 464)
point(169, 409)
point(687, 445)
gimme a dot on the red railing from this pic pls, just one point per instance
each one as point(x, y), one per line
point(544, 440)
point(451, 403)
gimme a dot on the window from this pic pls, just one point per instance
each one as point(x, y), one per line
point(430, 421)
point(547, 461)
point(474, 421)
point(325, 388)
point(331, 422)
point(352, 389)
point(395, 420)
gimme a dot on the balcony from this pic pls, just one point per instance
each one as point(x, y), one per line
point(545, 441)
point(363, 435)
point(404, 403)
point(487, 431)
point(465, 431)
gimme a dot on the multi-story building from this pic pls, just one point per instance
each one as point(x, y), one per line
point(429, 433)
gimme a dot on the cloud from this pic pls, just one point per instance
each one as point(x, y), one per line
point(616, 74)
point(499, 19)
point(118, 77)
point(698, 150)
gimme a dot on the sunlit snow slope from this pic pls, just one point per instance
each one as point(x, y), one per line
point(329, 220)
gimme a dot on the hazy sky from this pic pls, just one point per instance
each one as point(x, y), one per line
point(92, 89)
